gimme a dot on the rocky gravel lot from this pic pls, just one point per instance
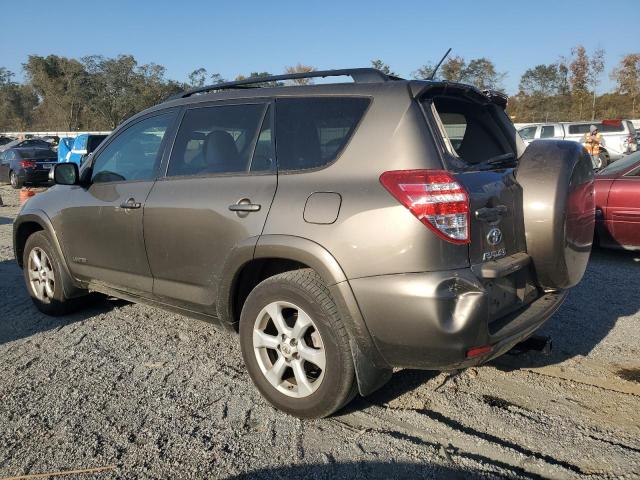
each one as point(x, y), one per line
point(129, 391)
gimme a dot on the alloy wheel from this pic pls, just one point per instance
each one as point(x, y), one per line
point(41, 276)
point(289, 349)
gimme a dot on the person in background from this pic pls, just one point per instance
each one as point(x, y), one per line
point(592, 142)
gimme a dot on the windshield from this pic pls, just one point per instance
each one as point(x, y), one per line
point(621, 165)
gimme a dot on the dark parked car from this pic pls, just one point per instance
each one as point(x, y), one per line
point(618, 204)
point(29, 142)
point(26, 166)
point(336, 227)
point(4, 140)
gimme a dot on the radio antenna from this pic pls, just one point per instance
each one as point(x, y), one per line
point(433, 73)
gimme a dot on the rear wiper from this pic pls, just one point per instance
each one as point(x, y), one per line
point(505, 158)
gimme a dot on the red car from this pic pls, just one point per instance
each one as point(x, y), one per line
point(617, 189)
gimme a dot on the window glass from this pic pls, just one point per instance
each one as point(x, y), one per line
point(216, 140)
point(547, 131)
point(135, 153)
point(620, 165)
point(527, 133)
point(263, 157)
point(311, 132)
point(472, 129)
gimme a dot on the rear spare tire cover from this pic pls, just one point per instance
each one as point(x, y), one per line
point(556, 177)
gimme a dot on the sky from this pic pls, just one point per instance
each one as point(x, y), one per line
point(234, 37)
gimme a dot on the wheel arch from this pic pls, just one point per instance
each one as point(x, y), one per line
point(269, 255)
point(25, 225)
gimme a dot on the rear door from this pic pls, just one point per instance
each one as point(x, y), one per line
point(623, 209)
point(215, 196)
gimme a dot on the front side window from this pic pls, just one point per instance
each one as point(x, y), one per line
point(216, 140)
point(311, 132)
point(527, 133)
point(134, 154)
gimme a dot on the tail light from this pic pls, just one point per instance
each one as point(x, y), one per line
point(435, 198)
point(27, 164)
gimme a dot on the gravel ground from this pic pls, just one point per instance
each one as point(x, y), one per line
point(142, 393)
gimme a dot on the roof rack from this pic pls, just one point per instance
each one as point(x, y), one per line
point(359, 75)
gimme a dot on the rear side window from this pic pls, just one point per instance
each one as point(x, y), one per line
point(470, 129)
point(216, 140)
point(311, 132)
point(608, 127)
point(547, 131)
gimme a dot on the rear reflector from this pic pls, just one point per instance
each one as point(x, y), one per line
point(477, 351)
point(435, 198)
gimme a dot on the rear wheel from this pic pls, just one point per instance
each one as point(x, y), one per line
point(14, 180)
point(295, 346)
point(45, 277)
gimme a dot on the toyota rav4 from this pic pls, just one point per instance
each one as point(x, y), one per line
point(341, 229)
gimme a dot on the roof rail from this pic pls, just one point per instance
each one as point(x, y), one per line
point(359, 75)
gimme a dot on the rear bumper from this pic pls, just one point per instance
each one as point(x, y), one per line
point(430, 320)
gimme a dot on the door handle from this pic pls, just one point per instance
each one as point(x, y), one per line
point(130, 204)
point(244, 206)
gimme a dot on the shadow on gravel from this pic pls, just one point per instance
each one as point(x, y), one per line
point(362, 470)
point(19, 318)
point(609, 290)
point(5, 221)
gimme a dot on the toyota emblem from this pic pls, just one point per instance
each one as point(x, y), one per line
point(494, 237)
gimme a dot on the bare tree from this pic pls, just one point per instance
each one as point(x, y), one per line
point(579, 77)
point(627, 78)
point(596, 67)
point(301, 68)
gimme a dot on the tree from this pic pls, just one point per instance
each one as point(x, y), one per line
point(383, 67)
point(217, 78)
point(16, 103)
point(579, 76)
point(541, 80)
point(61, 84)
point(300, 68)
point(197, 78)
point(481, 72)
point(424, 72)
point(627, 78)
point(453, 69)
point(596, 67)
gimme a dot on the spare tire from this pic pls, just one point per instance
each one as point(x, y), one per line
point(556, 177)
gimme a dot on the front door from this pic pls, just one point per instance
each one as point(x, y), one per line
point(219, 185)
point(102, 226)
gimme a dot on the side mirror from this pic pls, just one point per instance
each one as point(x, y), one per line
point(65, 174)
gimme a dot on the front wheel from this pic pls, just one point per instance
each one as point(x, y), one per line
point(14, 180)
point(295, 346)
point(44, 276)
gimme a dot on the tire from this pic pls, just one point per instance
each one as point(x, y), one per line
point(14, 180)
point(557, 181)
point(295, 299)
point(604, 160)
point(45, 284)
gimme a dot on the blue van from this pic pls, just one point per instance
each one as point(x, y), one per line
point(84, 144)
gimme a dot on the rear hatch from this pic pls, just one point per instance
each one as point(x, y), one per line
point(480, 148)
point(44, 159)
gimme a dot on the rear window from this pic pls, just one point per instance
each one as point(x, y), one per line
point(37, 154)
point(311, 132)
point(583, 128)
point(471, 130)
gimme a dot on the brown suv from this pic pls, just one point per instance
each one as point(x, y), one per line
point(342, 229)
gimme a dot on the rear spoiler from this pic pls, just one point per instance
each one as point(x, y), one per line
point(421, 88)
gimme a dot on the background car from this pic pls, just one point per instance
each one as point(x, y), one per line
point(4, 140)
point(617, 190)
point(26, 165)
point(29, 142)
point(619, 137)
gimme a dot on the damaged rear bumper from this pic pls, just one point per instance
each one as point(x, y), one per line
point(431, 320)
